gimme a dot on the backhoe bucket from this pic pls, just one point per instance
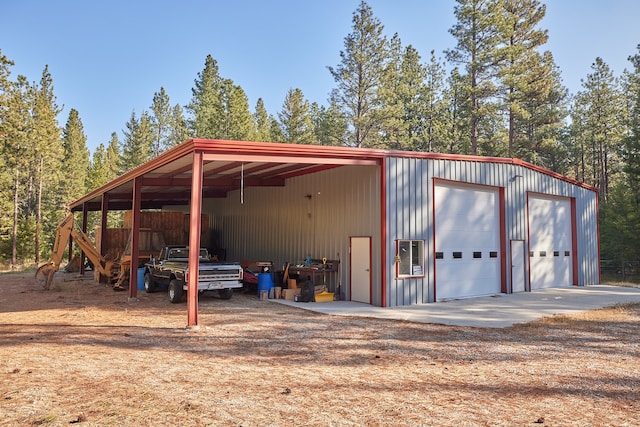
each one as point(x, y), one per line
point(44, 275)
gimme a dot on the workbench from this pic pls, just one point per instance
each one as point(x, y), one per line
point(318, 273)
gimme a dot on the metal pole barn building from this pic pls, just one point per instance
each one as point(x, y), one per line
point(404, 227)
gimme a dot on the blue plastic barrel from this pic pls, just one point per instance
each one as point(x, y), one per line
point(265, 282)
point(141, 279)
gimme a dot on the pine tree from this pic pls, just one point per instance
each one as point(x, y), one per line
point(393, 92)
point(179, 127)
point(261, 122)
point(206, 104)
point(599, 107)
point(478, 32)
point(138, 140)
point(435, 122)
point(330, 127)
point(631, 145)
point(358, 77)
point(47, 149)
point(522, 38)
point(238, 117)
point(457, 115)
point(295, 119)
point(161, 120)
point(75, 161)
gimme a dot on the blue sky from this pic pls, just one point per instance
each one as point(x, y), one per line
point(108, 58)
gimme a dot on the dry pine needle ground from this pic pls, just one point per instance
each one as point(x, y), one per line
point(81, 354)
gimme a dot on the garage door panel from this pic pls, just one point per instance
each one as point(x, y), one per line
point(550, 242)
point(467, 223)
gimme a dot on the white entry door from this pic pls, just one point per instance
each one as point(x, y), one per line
point(467, 236)
point(518, 270)
point(361, 269)
point(550, 241)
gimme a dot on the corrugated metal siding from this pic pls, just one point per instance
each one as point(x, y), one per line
point(410, 216)
point(281, 224)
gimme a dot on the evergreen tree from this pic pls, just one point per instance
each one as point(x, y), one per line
point(393, 92)
point(161, 122)
point(521, 39)
point(478, 32)
point(206, 106)
point(434, 127)
point(599, 109)
point(330, 127)
point(138, 140)
point(295, 119)
point(456, 118)
point(48, 151)
point(631, 146)
point(358, 77)
point(239, 121)
point(179, 127)
point(75, 161)
point(261, 122)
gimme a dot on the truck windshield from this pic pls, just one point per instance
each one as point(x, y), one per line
point(182, 253)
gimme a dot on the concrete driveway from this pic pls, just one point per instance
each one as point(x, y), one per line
point(497, 311)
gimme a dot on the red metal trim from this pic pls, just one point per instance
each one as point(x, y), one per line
point(598, 237)
point(433, 222)
point(135, 238)
point(194, 239)
point(574, 242)
point(503, 241)
point(383, 231)
point(527, 286)
point(103, 224)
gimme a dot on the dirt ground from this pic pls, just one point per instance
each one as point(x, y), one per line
point(81, 353)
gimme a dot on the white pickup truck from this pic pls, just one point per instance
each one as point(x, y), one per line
point(170, 269)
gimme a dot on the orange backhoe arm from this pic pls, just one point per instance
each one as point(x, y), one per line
point(64, 232)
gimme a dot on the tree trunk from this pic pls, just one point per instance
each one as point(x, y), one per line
point(38, 214)
point(14, 232)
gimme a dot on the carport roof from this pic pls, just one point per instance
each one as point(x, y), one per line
point(229, 165)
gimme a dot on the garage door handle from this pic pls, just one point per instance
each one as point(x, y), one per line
point(366, 269)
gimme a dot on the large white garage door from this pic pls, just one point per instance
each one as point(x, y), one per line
point(467, 236)
point(550, 242)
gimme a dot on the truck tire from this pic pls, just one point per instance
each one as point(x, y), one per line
point(176, 293)
point(225, 293)
point(149, 283)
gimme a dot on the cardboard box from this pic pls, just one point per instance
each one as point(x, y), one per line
point(292, 284)
point(290, 293)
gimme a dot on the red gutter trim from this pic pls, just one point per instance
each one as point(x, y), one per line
point(383, 231)
point(503, 241)
point(574, 242)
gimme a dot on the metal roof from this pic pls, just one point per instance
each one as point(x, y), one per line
point(229, 165)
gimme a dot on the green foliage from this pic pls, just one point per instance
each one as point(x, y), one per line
point(359, 77)
point(295, 119)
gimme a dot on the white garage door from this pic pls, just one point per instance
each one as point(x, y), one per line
point(467, 236)
point(550, 242)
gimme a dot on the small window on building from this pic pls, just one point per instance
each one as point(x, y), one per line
point(567, 253)
point(477, 254)
point(457, 255)
point(556, 253)
point(543, 253)
point(411, 258)
point(531, 254)
point(493, 254)
point(439, 255)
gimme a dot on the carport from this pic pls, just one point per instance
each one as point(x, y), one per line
point(212, 169)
